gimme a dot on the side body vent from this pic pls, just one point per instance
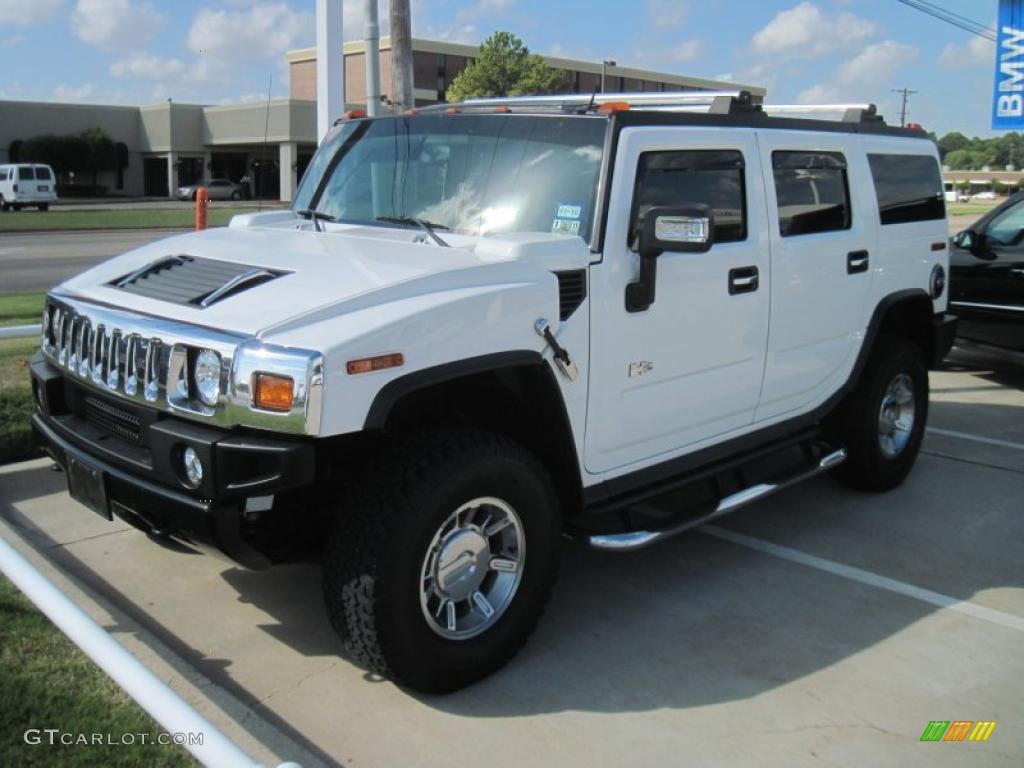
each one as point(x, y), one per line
point(193, 281)
point(572, 290)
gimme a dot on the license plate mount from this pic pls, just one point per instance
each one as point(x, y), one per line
point(88, 486)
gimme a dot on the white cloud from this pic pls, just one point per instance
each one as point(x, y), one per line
point(864, 77)
point(27, 13)
point(116, 24)
point(876, 64)
point(667, 14)
point(804, 31)
point(262, 33)
point(148, 66)
point(688, 50)
point(74, 93)
point(976, 51)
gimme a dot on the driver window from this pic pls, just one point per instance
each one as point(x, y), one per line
point(695, 177)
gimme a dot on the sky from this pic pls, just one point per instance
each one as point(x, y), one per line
point(224, 51)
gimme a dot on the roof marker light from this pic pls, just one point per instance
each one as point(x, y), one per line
point(613, 106)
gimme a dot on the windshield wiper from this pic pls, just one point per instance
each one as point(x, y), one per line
point(426, 226)
point(316, 217)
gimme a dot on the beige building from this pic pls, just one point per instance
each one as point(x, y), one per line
point(436, 63)
point(269, 145)
point(174, 144)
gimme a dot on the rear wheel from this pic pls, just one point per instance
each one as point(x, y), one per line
point(44, 206)
point(236, 195)
point(3, 204)
point(16, 206)
point(441, 559)
point(882, 422)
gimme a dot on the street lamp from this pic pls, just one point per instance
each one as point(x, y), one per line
point(604, 71)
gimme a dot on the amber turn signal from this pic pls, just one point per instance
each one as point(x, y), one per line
point(379, 363)
point(271, 392)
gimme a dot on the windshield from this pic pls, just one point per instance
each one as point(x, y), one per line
point(474, 174)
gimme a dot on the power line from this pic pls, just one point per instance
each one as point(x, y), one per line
point(962, 22)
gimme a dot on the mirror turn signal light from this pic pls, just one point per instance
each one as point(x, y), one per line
point(379, 363)
point(272, 392)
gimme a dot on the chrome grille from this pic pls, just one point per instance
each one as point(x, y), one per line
point(147, 360)
point(110, 357)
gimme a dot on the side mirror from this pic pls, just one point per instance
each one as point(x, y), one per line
point(965, 239)
point(689, 229)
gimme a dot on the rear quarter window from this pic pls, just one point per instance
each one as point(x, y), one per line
point(908, 187)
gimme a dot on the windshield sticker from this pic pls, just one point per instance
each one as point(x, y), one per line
point(567, 219)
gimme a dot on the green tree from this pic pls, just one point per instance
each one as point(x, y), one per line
point(960, 159)
point(953, 141)
point(505, 67)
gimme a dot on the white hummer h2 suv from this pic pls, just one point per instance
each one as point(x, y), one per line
point(485, 326)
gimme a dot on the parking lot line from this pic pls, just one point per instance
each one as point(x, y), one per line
point(867, 577)
point(976, 438)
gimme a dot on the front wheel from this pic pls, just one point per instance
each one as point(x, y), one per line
point(882, 421)
point(441, 560)
point(236, 195)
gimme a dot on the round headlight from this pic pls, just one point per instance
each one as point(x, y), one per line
point(207, 376)
point(193, 467)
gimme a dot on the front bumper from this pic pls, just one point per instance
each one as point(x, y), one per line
point(229, 513)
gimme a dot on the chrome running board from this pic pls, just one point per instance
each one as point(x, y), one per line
point(626, 542)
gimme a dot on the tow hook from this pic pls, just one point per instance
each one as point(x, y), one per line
point(561, 356)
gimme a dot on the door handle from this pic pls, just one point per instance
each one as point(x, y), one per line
point(743, 280)
point(856, 262)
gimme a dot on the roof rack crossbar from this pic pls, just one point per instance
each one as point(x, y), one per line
point(707, 102)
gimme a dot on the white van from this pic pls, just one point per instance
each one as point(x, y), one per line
point(25, 184)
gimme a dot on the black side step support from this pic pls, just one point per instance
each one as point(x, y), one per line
point(636, 539)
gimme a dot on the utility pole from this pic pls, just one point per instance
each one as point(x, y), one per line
point(371, 55)
point(903, 109)
point(330, 66)
point(604, 71)
point(401, 56)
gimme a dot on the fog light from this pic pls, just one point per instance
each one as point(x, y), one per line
point(193, 467)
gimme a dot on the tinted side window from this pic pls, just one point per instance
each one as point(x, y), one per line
point(43, 173)
point(696, 177)
point(26, 174)
point(909, 188)
point(3, 174)
point(812, 191)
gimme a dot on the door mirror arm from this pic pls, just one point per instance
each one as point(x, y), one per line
point(688, 229)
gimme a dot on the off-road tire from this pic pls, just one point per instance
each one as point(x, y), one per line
point(856, 422)
point(381, 529)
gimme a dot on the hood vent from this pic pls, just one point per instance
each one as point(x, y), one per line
point(192, 281)
point(572, 290)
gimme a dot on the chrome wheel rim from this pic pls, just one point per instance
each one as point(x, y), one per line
point(896, 416)
point(472, 568)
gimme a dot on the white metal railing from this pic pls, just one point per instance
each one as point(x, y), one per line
point(166, 707)
point(20, 331)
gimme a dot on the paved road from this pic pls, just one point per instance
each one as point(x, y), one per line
point(821, 627)
point(36, 261)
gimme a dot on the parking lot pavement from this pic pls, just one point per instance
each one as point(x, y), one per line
point(822, 626)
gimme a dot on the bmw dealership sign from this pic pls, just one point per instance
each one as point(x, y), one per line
point(1008, 95)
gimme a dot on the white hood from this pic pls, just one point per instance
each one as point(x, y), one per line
point(325, 268)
